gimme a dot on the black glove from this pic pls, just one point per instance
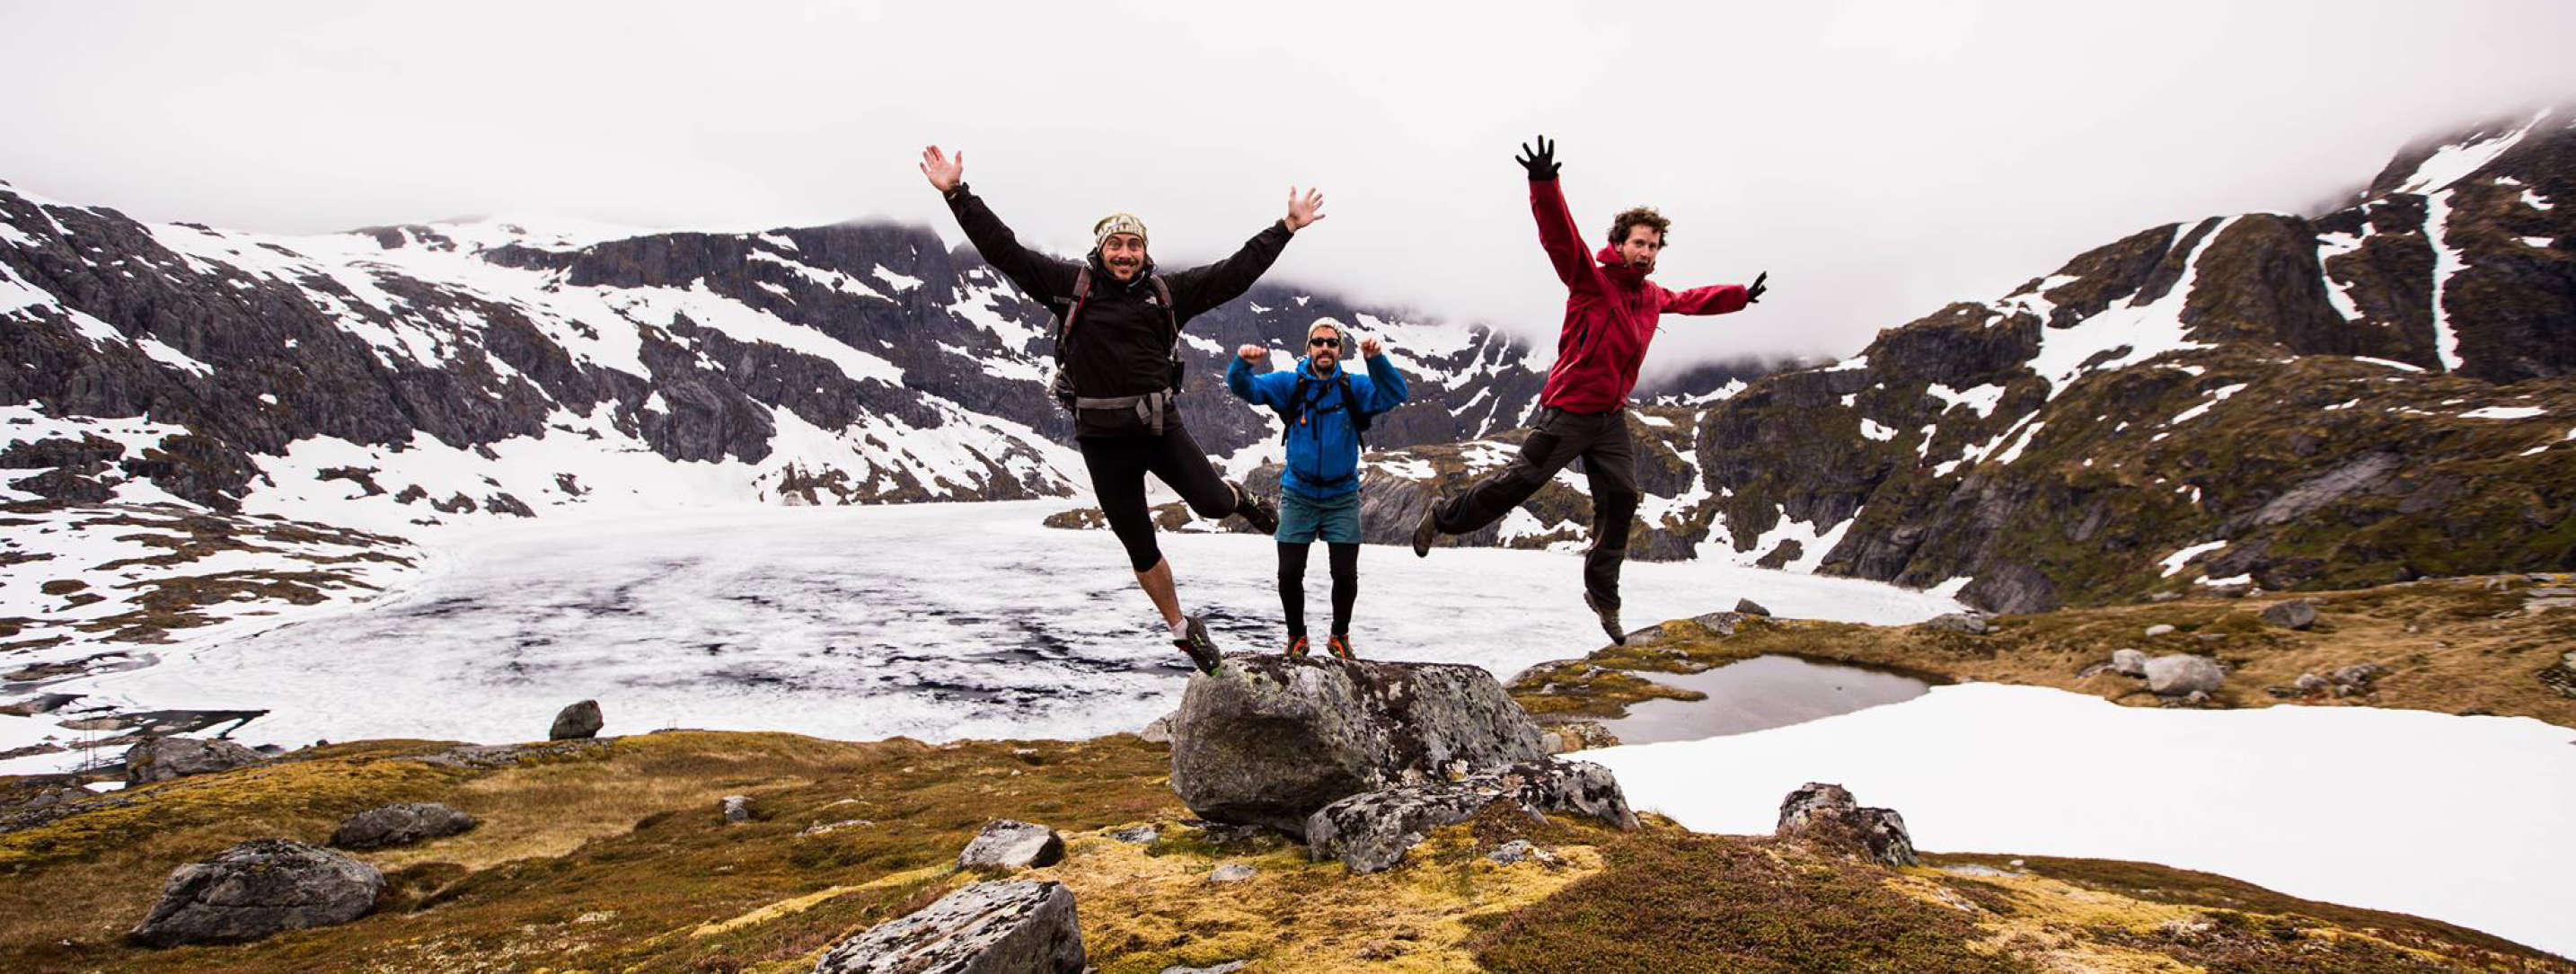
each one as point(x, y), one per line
point(1754, 293)
point(1542, 163)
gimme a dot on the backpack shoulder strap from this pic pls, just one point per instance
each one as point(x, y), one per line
point(1171, 313)
point(1351, 406)
point(1081, 292)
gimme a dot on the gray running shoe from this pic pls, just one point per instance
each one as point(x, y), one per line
point(1609, 616)
point(1201, 649)
point(1427, 531)
point(1261, 514)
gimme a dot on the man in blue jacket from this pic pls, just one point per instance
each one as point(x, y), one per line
point(1325, 410)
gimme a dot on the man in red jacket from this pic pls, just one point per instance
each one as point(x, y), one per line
point(1610, 313)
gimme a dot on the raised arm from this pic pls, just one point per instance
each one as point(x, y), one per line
point(1250, 385)
point(1556, 231)
point(1716, 299)
point(1044, 279)
point(1198, 289)
point(1387, 389)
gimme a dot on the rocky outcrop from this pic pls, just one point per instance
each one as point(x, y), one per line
point(1005, 845)
point(580, 721)
point(734, 809)
point(164, 758)
point(1003, 927)
point(259, 888)
point(1827, 815)
point(1370, 833)
point(2293, 614)
point(1271, 739)
point(403, 824)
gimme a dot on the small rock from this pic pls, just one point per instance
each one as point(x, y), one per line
point(1969, 623)
point(259, 888)
point(2158, 629)
point(2182, 674)
point(1828, 815)
point(1719, 623)
point(577, 722)
point(164, 758)
point(736, 808)
point(2293, 614)
point(1751, 608)
point(827, 828)
point(2129, 662)
point(1229, 967)
point(402, 824)
point(1158, 732)
point(1232, 872)
point(2356, 679)
point(1520, 850)
point(1016, 927)
point(1006, 845)
point(1138, 835)
point(2310, 684)
point(2197, 698)
point(2165, 597)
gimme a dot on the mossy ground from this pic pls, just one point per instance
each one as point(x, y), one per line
point(2459, 646)
point(612, 857)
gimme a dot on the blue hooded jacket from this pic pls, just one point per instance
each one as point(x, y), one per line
point(1323, 449)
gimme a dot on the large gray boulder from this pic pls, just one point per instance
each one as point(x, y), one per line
point(1827, 815)
point(1371, 832)
point(2293, 614)
point(1005, 845)
point(580, 721)
point(1001, 927)
point(258, 888)
point(1271, 739)
point(2129, 662)
point(2183, 674)
point(1966, 623)
point(164, 758)
point(402, 824)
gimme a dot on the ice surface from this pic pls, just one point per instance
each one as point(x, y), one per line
point(2505, 412)
point(2472, 832)
point(937, 621)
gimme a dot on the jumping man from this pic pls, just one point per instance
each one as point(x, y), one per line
point(1118, 368)
point(1325, 410)
point(1610, 313)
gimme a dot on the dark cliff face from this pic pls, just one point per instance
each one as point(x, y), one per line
point(853, 363)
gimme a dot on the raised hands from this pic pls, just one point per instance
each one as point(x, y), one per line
point(1302, 211)
point(1754, 293)
point(1541, 163)
point(943, 171)
point(1253, 353)
point(1370, 347)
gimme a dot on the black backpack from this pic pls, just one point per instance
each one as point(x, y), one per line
point(1062, 384)
point(1298, 400)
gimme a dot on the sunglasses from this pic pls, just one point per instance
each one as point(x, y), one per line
point(1323, 343)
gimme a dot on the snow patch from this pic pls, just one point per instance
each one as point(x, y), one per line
point(2173, 563)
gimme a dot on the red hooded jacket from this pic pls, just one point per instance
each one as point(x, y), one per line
point(1610, 312)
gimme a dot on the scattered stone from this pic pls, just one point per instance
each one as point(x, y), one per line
point(2165, 597)
point(2196, 698)
point(1827, 815)
point(1969, 623)
point(402, 824)
point(827, 828)
point(1138, 835)
point(2311, 684)
point(258, 888)
point(1229, 967)
point(164, 758)
point(1371, 832)
point(1520, 850)
point(1578, 735)
point(2210, 637)
point(1751, 608)
point(1273, 738)
point(1005, 845)
point(735, 808)
point(1974, 871)
point(2293, 614)
point(580, 721)
point(1000, 927)
point(2355, 680)
point(488, 757)
point(2129, 662)
point(1232, 872)
point(2158, 629)
point(1160, 731)
point(2182, 674)
point(1719, 623)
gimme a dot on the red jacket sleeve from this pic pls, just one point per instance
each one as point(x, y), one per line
point(1556, 233)
point(1715, 299)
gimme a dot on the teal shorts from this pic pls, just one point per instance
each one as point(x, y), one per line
point(1303, 519)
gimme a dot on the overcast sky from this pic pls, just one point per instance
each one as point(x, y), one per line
point(1877, 159)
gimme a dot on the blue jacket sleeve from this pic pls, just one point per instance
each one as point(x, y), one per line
point(1249, 386)
point(1386, 385)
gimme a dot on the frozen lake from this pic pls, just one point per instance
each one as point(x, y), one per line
point(935, 621)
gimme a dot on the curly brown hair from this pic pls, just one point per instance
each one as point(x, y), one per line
point(1636, 215)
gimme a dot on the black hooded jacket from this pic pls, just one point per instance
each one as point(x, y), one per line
point(1122, 344)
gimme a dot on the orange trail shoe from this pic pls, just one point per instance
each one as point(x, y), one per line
point(1339, 646)
point(1297, 646)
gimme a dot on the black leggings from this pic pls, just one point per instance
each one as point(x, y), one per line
point(1292, 584)
point(1556, 438)
point(1118, 467)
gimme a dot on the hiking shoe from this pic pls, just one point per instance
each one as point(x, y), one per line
point(1261, 514)
point(1609, 616)
point(1340, 646)
point(1427, 531)
point(1201, 649)
point(1297, 647)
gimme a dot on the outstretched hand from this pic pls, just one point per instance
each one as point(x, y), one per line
point(1306, 210)
point(1754, 293)
point(943, 171)
point(1541, 163)
point(1253, 353)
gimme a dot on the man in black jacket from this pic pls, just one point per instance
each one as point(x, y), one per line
point(1117, 368)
